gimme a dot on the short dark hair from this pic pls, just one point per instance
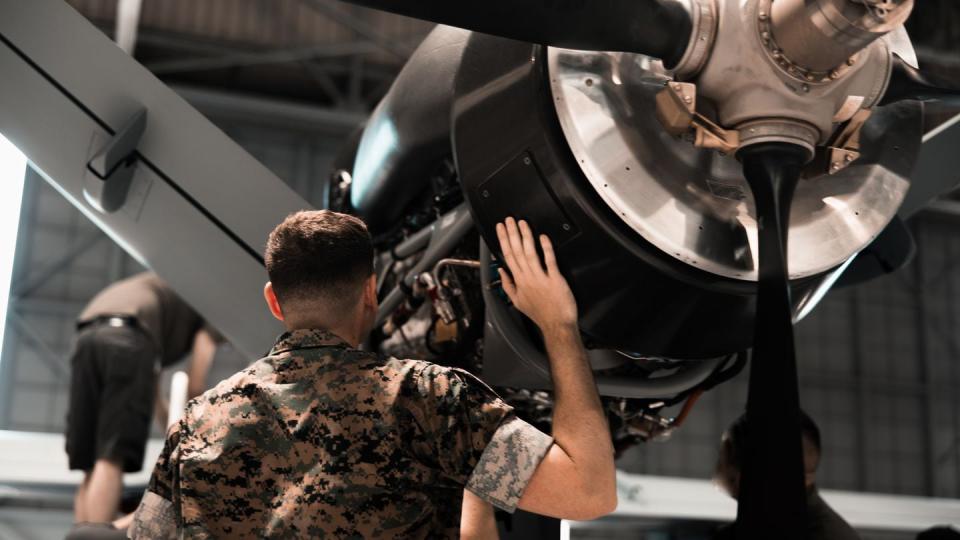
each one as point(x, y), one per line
point(939, 533)
point(319, 254)
point(735, 441)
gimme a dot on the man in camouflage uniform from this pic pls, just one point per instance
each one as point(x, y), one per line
point(321, 439)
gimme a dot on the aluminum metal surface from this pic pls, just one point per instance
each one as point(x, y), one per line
point(822, 34)
point(695, 204)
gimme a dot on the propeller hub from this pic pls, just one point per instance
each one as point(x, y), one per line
point(693, 203)
point(775, 64)
point(821, 36)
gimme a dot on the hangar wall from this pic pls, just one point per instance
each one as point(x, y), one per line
point(877, 363)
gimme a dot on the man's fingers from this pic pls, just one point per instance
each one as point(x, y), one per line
point(530, 247)
point(508, 256)
point(549, 257)
point(507, 283)
point(516, 244)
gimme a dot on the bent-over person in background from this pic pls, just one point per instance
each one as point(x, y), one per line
point(125, 335)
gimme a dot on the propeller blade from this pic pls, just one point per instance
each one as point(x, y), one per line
point(657, 28)
point(772, 500)
point(889, 252)
point(938, 168)
point(907, 82)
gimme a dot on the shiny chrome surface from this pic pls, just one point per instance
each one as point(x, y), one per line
point(695, 204)
point(822, 34)
point(703, 14)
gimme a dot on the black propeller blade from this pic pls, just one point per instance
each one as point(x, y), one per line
point(772, 499)
point(907, 82)
point(658, 28)
point(891, 251)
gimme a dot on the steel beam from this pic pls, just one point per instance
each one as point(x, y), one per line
point(48, 356)
point(37, 280)
point(331, 50)
point(324, 81)
point(128, 22)
point(272, 112)
point(362, 28)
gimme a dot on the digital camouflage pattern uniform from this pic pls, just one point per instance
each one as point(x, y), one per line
point(321, 440)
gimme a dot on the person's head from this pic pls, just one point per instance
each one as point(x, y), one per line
point(733, 450)
point(320, 265)
point(939, 533)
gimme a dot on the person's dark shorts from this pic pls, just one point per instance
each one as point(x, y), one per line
point(113, 381)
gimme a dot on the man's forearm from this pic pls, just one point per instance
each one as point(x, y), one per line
point(579, 424)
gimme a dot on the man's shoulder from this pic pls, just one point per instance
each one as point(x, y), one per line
point(826, 523)
point(425, 368)
point(228, 393)
point(428, 379)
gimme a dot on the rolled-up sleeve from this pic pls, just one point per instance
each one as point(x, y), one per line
point(463, 428)
point(508, 463)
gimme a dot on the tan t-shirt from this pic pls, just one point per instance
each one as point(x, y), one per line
point(170, 321)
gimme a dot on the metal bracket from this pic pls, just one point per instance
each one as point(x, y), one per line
point(677, 113)
point(842, 150)
point(113, 166)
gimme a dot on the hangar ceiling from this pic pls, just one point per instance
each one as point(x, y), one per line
point(329, 53)
point(317, 51)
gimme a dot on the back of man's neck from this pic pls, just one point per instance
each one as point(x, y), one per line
point(343, 333)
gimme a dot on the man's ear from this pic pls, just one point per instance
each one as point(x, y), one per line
point(370, 291)
point(271, 297)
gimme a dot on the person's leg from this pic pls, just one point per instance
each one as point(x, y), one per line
point(79, 500)
point(84, 409)
point(128, 366)
point(103, 491)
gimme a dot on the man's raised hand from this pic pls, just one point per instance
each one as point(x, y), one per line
point(536, 288)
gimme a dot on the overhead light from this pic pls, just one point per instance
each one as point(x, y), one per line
point(13, 169)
